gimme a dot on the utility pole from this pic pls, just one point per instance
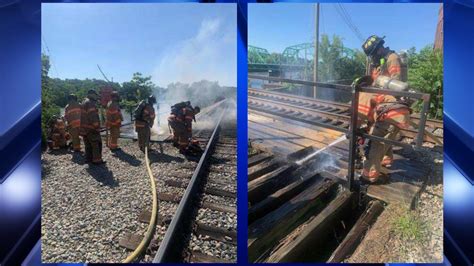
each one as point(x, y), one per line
point(316, 43)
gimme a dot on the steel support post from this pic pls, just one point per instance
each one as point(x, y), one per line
point(352, 135)
point(423, 116)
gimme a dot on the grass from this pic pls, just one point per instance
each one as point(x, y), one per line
point(410, 227)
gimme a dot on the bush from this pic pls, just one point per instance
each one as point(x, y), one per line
point(425, 74)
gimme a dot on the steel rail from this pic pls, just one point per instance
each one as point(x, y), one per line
point(169, 250)
point(303, 120)
point(290, 97)
point(139, 251)
point(414, 95)
point(331, 115)
point(346, 88)
point(254, 103)
point(433, 123)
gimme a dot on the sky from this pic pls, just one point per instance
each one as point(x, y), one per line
point(170, 42)
point(277, 26)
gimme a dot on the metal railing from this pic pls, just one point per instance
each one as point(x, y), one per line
point(352, 133)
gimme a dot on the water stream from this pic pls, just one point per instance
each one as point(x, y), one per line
point(313, 154)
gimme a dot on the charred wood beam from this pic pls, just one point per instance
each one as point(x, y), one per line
point(261, 187)
point(315, 230)
point(355, 235)
point(267, 231)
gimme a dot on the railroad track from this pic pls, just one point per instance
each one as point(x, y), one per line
point(332, 114)
point(215, 222)
point(196, 221)
point(297, 214)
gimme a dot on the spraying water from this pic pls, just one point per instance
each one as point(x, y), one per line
point(312, 155)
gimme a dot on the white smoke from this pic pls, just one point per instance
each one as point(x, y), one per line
point(210, 55)
point(325, 161)
point(205, 94)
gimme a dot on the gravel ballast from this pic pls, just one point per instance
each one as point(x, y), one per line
point(87, 209)
point(421, 238)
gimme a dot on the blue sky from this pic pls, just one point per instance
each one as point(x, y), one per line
point(277, 26)
point(171, 42)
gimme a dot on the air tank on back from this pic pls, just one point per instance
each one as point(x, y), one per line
point(391, 84)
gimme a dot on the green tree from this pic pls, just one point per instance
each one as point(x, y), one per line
point(132, 92)
point(335, 64)
point(48, 108)
point(338, 64)
point(425, 74)
point(62, 88)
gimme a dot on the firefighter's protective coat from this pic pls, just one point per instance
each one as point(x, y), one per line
point(114, 120)
point(73, 119)
point(57, 134)
point(384, 116)
point(90, 129)
point(143, 124)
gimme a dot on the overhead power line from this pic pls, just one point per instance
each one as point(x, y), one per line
point(361, 37)
point(51, 61)
point(348, 20)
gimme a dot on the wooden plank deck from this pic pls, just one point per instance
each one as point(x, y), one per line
point(282, 137)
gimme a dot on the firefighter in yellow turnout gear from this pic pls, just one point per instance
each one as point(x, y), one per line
point(384, 114)
point(144, 119)
point(57, 136)
point(73, 119)
point(180, 122)
point(114, 120)
point(90, 128)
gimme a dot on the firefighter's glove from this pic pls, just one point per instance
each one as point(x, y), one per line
point(363, 81)
point(360, 131)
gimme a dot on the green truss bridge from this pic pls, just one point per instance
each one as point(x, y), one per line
point(297, 58)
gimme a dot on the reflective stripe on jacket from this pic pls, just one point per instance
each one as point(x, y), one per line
point(391, 68)
point(90, 116)
point(147, 117)
point(366, 107)
point(113, 115)
point(398, 116)
point(72, 114)
point(59, 127)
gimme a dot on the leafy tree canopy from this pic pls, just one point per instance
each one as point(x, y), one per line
point(425, 74)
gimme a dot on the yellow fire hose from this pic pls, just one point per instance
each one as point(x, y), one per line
point(151, 227)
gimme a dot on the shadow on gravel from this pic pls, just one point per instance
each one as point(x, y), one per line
point(62, 151)
point(78, 158)
point(126, 157)
point(156, 157)
point(103, 175)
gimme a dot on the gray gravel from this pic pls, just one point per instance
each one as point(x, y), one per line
point(171, 165)
point(430, 211)
point(218, 219)
point(220, 176)
point(391, 244)
point(87, 209)
point(214, 248)
point(224, 186)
